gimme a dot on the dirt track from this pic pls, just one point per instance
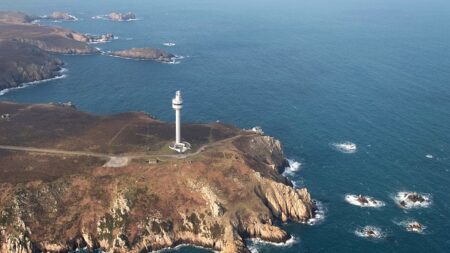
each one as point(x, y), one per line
point(109, 156)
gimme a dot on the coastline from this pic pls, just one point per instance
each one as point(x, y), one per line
point(60, 75)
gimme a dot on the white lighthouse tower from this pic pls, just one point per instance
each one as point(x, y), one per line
point(177, 105)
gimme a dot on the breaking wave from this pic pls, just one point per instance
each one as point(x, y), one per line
point(255, 243)
point(406, 224)
point(73, 19)
point(175, 60)
point(319, 214)
point(24, 85)
point(293, 167)
point(370, 232)
point(346, 147)
point(180, 246)
point(363, 201)
point(404, 200)
point(106, 17)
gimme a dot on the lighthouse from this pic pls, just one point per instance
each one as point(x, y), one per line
point(177, 105)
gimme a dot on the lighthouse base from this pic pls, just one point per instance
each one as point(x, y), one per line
point(180, 147)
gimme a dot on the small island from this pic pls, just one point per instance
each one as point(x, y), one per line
point(144, 54)
point(60, 16)
point(121, 17)
point(111, 183)
point(116, 16)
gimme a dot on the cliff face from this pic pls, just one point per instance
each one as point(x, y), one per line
point(215, 198)
point(24, 63)
point(25, 48)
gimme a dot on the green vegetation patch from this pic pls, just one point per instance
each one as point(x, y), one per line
point(195, 222)
point(217, 230)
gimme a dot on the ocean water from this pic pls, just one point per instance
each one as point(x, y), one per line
point(375, 73)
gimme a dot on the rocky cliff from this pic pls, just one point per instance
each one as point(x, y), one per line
point(23, 63)
point(25, 49)
point(228, 189)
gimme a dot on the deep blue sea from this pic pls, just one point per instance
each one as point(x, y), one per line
point(311, 73)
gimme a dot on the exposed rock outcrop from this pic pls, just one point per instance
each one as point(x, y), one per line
point(145, 54)
point(58, 15)
point(115, 16)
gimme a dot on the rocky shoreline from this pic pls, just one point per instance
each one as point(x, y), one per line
point(230, 191)
point(30, 64)
point(33, 59)
point(27, 50)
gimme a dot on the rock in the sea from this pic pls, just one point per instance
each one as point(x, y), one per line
point(89, 38)
point(145, 54)
point(369, 232)
point(415, 226)
point(413, 199)
point(58, 15)
point(115, 16)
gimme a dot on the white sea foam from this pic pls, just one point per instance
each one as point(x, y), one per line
point(106, 17)
point(370, 202)
point(370, 232)
point(169, 44)
point(73, 18)
point(319, 214)
point(24, 85)
point(255, 243)
point(403, 200)
point(100, 17)
point(180, 246)
point(99, 42)
point(346, 147)
point(293, 167)
point(128, 38)
point(407, 224)
point(99, 49)
point(175, 60)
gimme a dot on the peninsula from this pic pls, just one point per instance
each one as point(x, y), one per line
point(72, 180)
point(27, 50)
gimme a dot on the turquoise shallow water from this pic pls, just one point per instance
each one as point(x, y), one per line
point(311, 73)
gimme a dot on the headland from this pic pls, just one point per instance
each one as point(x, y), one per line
point(71, 180)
